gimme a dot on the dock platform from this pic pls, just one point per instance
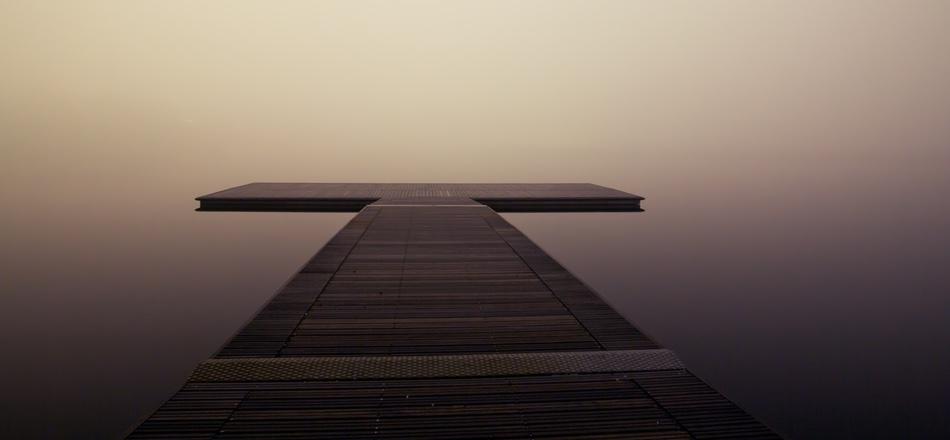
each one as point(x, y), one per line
point(430, 316)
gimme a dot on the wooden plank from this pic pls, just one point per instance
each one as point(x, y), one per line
point(429, 280)
point(438, 366)
point(654, 404)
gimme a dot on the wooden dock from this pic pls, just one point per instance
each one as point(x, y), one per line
point(430, 316)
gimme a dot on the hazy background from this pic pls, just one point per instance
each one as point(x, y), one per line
point(795, 156)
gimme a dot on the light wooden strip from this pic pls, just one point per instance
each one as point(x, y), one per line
point(473, 365)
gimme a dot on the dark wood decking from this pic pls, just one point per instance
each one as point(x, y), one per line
point(352, 197)
point(430, 316)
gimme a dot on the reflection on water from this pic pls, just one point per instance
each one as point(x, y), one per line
point(816, 303)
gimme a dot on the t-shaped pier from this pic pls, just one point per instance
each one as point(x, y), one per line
point(430, 316)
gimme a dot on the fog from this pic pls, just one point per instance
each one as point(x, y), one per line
point(794, 156)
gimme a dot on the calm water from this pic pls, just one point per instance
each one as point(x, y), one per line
point(817, 303)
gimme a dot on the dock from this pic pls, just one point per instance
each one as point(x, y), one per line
point(430, 316)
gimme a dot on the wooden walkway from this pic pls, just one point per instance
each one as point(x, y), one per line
point(430, 316)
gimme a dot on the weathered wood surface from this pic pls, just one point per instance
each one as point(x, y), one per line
point(430, 280)
point(670, 404)
point(430, 316)
point(352, 197)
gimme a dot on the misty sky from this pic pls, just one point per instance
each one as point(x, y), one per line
point(397, 90)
